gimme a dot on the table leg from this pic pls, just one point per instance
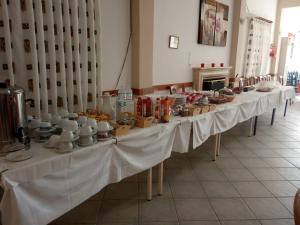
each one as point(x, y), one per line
point(251, 127)
point(255, 125)
point(216, 147)
point(285, 108)
point(219, 143)
point(149, 184)
point(273, 116)
point(160, 178)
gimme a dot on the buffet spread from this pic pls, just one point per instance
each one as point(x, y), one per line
point(74, 155)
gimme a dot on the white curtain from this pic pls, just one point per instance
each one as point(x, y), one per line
point(51, 48)
point(257, 49)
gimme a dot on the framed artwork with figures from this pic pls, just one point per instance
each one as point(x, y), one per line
point(213, 22)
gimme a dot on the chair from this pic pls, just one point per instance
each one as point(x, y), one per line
point(175, 88)
point(297, 208)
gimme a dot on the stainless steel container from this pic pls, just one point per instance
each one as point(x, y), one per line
point(13, 119)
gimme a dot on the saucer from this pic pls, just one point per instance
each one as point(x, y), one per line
point(86, 145)
point(74, 139)
point(39, 130)
point(18, 156)
point(105, 139)
point(92, 134)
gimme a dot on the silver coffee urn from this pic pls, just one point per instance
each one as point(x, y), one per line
point(13, 119)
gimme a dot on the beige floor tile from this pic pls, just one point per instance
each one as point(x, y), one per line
point(231, 209)
point(229, 163)
point(294, 161)
point(187, 190)
point(122, 191)
point(180, 175)
point(254, 163)
point(266, 174)
point(177, 163)
point(125, 210)
point(239, 175)
point(166, 190)
point(278, 222)
point(199, 223)
point(281, 188)
point(278, 162)
point(220, 189)
point(157, 210)
point(288, 202)
point(112, 223)
point(240, 153)
point(268, 208)
point(289, 173)
point(264, 153)
point(194, 209)
point(159, 223)
point(210, 175)
point(252, 189)
point(296, 183)
point(87, 212)
point(200, 164)
point(241, 222)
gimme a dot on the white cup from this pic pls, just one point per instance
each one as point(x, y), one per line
point(56, 119)
point(103, 126)
point(35, 123)
point(73, 116)
point(66, 136)
point(64, 113)
point(93, 123)
point(53, 141)
point(82, 120)
point(86, 140)
point(45, 126)
point(86, 130)
point(46, 117)
point(70, 125)
point(65, 147)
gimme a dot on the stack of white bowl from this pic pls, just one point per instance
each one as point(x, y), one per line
point(104, 131)
point(44, 132)
point(86, 136)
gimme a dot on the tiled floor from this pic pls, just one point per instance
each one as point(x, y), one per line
point(252, 183)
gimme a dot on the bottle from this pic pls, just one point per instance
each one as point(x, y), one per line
point(139, 107)
point(148, 107)
point(165, 110)
point(157, 109)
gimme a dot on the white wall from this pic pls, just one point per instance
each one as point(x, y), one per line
point(178, 17)
point(115, 21)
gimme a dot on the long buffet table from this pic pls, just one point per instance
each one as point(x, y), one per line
point(48, 185)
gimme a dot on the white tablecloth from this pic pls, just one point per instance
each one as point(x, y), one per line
point(43, 188)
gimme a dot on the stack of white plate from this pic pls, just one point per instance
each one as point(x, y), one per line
point(180, 99)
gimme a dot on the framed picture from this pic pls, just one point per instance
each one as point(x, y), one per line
point(213, 22)
point(221, 24)
point(173, 42)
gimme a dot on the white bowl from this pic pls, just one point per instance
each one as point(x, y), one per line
point(82, 120)
point(65, 147)
point(104, 126)
point(70, 125)
point(86, 140)
point(86, 131)
point(93, 123)
point(64, 113)
point(35, 123)
point(56, 119)
point(73, 116)
point(66, 136)
point(46, 117)
point(53, 141)
point(45, 126)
